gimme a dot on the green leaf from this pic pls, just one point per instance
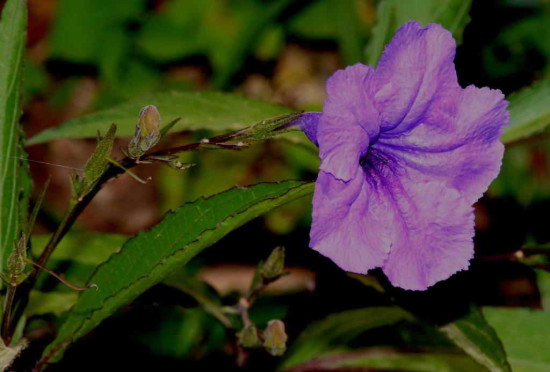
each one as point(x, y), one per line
point(41, 303)
point(381, 359)
point(475, 336)
point(524, 333)
point(205, 110)
point(82, 27)
point(78, 254)
point(350, 40)
point(332, 333)
point(391, 14)
point(14, 178)
point(151, 256)
point(529, 112)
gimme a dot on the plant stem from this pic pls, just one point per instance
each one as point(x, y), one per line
point(6, 316)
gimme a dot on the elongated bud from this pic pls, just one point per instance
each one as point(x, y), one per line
point(17, 262)
point(275, 337)
point(147, 132)
point(248, 337)
point(273, 267)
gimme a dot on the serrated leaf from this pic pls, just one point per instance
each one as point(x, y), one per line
point(391, 14)
point(198, 110)
point(151, 256)
point(14, 178)
point(332, 333)
point(478, 339)
point(8, 353)
point(529, 112)
point(524, 333)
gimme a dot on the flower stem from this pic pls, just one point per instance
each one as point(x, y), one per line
point(6, 316)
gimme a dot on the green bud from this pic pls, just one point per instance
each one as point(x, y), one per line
point(275, 337)
point(17, 262)
point(147, 132)
point(248, 337)
point(273, 267)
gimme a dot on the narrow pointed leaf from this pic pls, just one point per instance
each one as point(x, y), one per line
point(151, 256)
point(478, 339)
point(14, 179)
point(204, 110)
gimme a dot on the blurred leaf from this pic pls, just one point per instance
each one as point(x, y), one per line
point(381, 359)
point(87, 248)
point(315, 21)
point(151, 256)
point(392, 14)
point(524, 174)
point(14, 177)
point(41, 303)
point(205, 296)
point(515, 45)
point(475, 336)
point(182, 333)
point(83, 27)
point(350, 38)
point(331, 334)
point(207, 110)
point(524, 334)
point(35, 80)
point(224, 32)
point(543, 283)
point(78, 254)
point(229, 53)
point(529, 112)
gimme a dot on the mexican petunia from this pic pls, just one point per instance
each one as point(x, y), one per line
point(405, 153)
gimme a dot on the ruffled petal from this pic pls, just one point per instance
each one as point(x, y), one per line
point(415, 71)
point(350, 221)
point(348, 122)
point(431, 234)
point(462, 150)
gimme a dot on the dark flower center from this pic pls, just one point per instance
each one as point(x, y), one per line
point(377, 165)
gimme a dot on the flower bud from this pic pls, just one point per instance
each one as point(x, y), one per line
point(273, 267)
point(275, 337)
point(248, 337)
point(147, 132)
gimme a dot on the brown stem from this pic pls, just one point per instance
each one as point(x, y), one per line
point(6, 316)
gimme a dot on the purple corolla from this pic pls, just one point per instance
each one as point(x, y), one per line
point(405, 153)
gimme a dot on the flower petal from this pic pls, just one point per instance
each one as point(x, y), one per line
point(432, 235)
point(463, 150)
point(349, 119)
point(350, 221)
point(415, 71)
point(308, 123)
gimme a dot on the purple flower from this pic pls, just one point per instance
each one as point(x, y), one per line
point(405, 152)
